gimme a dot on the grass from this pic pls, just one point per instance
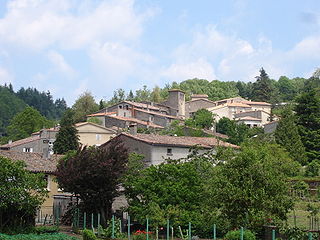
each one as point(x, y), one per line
point(301, 214)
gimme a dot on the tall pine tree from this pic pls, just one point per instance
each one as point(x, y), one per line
point(287, 135)
point(67, 138)
point(263, 89)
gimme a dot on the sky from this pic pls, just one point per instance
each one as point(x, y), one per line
point(72, 46)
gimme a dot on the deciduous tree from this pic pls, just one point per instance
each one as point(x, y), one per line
point(83, 106)
point(94, 174)
point(21, 193)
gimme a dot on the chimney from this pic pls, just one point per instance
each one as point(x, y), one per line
point(133, 129)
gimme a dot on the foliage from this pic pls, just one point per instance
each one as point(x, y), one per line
point(313, 169)
point(21, 193)
point(201, 119)
point(287, 135)
point(67, 138)
point(56, 236)
point(46, 229)
point(237, 133)
point(293, 233)
point(107, 232)
point(251, 186)
point(174, 190)
point(94, 174)
point(235, 235)
point(25, 123)
point(83, 106)
point(10, 105)
point(95, 120)
point(88, 235)
point(308, 114)
point(263, 89)
point(43, 102)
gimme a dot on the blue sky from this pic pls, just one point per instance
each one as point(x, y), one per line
point(70, 46)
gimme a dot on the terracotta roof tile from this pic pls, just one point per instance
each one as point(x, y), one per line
point(136, 121)
point(249, 118)
point(206, 142)
point(256, 103)
point(142, 105)
point(156, 113)
point(101, 114)
point(34, 161)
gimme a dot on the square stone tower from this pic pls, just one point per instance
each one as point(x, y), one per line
point(177, 101)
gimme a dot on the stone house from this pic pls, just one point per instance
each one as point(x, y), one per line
point(42, 142)
point(144, 114)
point(198, 101)
point(253, 118)
point(157, 148)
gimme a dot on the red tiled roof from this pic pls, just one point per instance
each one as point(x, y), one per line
point(206, 142)
point(156, 113)
point(141, 105)
point(101, 114)
point(238, 104)
point(34, 161)
point(136, 121)
point(249, 118)
point(256, 103)
point(20, 142)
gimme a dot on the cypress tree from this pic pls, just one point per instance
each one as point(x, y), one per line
point(308, 112)
point(287, 135)
point(263, 89)
point(67, 138)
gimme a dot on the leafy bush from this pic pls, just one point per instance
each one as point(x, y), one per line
point(46, 229)
point(294, 233)
point(88, 235)
point(55, 236)
point(235, 235)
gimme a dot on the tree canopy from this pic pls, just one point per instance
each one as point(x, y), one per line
point(94, 174)
point(201, 119)
point(27, 122)
point(287, 135)
point(21, 193)
point(83, 106)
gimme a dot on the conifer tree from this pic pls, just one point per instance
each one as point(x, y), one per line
point(287, 135)
point(308, 112)
point(67, 138)
point(263, 89)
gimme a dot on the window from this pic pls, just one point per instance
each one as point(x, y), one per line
point(127, 107)
point(124, 114)
point(27, 150)
point(169, 151)
point(98, 137)
point(120, 107)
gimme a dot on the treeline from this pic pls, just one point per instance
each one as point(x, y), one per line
point(262, 89)
point(12, 103)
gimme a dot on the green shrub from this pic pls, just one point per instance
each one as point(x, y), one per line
point(139, 237)
point(235, 235)
point(46, 236)
point(46, 229)
point(88, 235)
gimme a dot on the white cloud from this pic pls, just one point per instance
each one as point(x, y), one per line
point(115, 62)
point(199, 68)
point(5, 76)
point(60, 64)
point(229, 57)
point(38, 24)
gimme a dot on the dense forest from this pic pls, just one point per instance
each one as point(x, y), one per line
point(12, 103)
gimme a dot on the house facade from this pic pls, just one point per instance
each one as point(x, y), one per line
point(90, 134)
point(157, 148)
